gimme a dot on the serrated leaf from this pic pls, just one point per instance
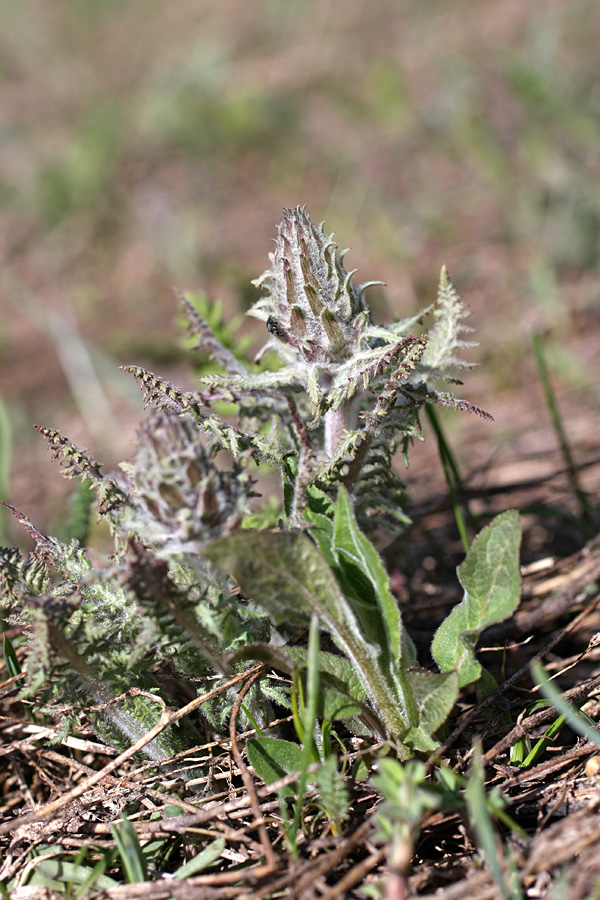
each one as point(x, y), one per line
point(491, 580)
point(444, 341)
point(333, 790)
point(272, 759)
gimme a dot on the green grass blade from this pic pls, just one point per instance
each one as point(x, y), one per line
point(312, 689)
point(207, 856)
point(482, 824)
point(577, 721)
point(585, 513)
point(451, 474)
point(10, 657)
point(128, 845)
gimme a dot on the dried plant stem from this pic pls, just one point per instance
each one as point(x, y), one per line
point(167, 718)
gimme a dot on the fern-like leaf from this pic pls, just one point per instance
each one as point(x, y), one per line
point(444, 342)
point(166, 396)
point(207, 340)
point(77, 463)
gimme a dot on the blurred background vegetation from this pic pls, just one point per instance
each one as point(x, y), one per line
point(151, 145)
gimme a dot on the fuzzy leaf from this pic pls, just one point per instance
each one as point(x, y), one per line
point(272, 759)
point(77, 463)
point(440, 357)
point(341, 693)
point(369, 586)
point(435, 695)
point(491, 579)
point(283, 572)
point(287, 575)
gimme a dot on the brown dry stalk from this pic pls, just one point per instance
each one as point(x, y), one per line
point(246, 777)
point(166, 719)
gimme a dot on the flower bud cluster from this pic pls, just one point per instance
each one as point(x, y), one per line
point(314, 312)
point(178, 495)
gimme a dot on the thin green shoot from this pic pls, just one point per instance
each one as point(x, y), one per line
point(207, 856)
point(99, 869)
point(10, 657)
point(479, 816)
point(521, 753)
point(78, 863)
point(312, 686)
point(451, 783)
point(585, 513)
point(326, 748)
point(576, 719)
point(249, 715)
point(451, 474)
point(297, 701)
point(14, 669)
point(130, 851)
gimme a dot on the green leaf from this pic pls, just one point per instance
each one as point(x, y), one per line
point(363, 580)
point(319, 502)
point(341, 694)
point(435, 695)
point(283, 572)
point(60, 872)
point(132, 857)
point(491, 580)
point(366, 584)
point(202, 860)
point(273, 758)
point(11, 659)
point(287, 575)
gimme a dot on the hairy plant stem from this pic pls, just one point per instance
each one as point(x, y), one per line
point(335, 422)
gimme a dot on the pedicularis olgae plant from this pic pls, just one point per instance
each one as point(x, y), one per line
point(190, 592)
